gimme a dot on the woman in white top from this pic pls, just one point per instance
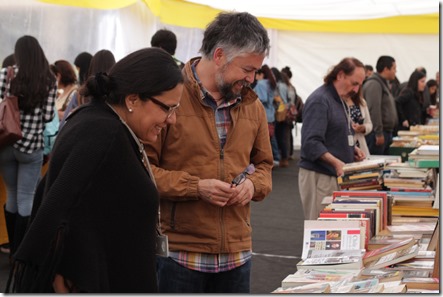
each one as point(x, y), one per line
point(361, 120)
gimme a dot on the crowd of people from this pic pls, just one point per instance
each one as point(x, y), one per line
point(168, 156)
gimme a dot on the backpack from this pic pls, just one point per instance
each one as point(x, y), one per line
point(50, 133)
point(299, 106)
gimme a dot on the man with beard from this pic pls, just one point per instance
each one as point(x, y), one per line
point(327, 137)
point(200, 162)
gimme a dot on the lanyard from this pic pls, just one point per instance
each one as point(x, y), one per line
point(348, 122)
point(348, 115)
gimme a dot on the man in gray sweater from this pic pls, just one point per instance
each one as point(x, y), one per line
point(381, 104)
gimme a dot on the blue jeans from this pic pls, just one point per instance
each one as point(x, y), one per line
point(379, 149)
point(274, 146)
point(175, 278)
point(21, 173)
point(282, 136)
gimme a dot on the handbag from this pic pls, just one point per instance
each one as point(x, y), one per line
point(10, 126)
point(291, 114)
point(281, 109)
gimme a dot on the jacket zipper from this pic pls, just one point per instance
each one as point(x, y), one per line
point(174, 204)
point(222, 226)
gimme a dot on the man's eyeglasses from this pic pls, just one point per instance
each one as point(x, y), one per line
point(168, 109)
point(239, 179)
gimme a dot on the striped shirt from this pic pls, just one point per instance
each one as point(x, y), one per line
point(32, 123)
point(214, 263)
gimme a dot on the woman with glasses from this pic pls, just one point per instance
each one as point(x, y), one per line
point(95, 227)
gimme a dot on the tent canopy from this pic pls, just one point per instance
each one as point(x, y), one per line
point(351, 16)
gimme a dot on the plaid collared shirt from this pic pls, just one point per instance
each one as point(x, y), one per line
point(213, 263)
point(32, 123)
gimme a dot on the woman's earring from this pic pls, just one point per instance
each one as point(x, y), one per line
point(130, 109)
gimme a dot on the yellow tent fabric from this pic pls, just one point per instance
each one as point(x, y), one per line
point(96, 4)
point(190, 15)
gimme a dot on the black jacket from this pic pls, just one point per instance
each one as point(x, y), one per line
point(96, 222)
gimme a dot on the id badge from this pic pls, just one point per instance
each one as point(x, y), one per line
point(351, 140)
point(161, 245)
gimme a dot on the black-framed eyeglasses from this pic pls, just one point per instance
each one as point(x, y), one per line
point(168, 109)
point(239, 179)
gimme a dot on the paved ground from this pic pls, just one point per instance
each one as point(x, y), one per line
point(277, 233)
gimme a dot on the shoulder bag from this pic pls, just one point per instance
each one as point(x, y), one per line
point(10, 126)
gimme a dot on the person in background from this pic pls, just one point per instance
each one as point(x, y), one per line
point(66, 84)
point(369, 70)
point(94, 228)
point(282, 129)
point(5, 247)
point(410, 103)
point(433, 91)
point(292, 94)
point(381, 105)
point(8, 61)
point(166, 40)
point(361, 120)
point(102, 61)
point(204, 165)
point(327, 140)
point(265, 90)
point(20, 163)
point(82, 62)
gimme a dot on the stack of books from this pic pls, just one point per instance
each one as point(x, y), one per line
point(371, 207)
point(363, 175)
point(425, 156)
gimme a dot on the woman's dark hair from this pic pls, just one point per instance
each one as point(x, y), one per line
point(357, 98)
point(267, 74)
point(66, 71)
point(8, 61)
point(165, 39)
point(347, 65)
point(82, 61)
point(413, 84)
point(277, 74)
point(102, 61)
point(34, 79)
point(286, 70)
point(147, 72)
point(432, 83)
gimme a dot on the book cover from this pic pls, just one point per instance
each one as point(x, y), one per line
point(364, 165)
point(428, 150)
point(332, 259)
point(393, 258)
point(365, 228)
point(310, 276)
point(332, 235)
point(388, 249)
point(415, 227)
point(382, 240)
point(305, 289)
point(427, 283)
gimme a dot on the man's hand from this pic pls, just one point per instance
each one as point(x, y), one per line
point(215, 191)
point(379, 140)
point(359, 155)
point(243, 194)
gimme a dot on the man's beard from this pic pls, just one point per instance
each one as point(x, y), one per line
point(226, 89)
